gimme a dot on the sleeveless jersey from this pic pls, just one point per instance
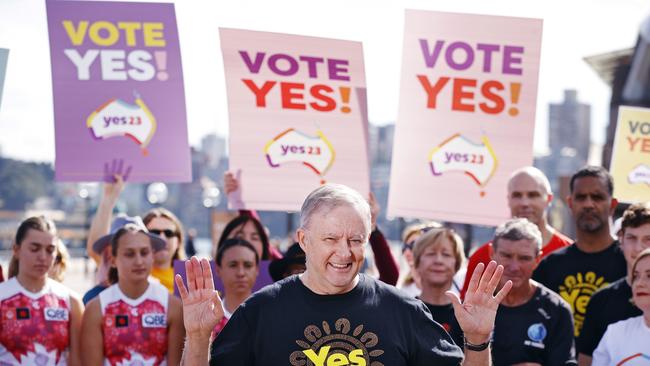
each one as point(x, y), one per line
point(34, 327)
point(135, 330)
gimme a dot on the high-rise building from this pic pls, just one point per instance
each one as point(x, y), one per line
point(213, 148)
point(569, 143)
point(570, 127)
point(381, 143)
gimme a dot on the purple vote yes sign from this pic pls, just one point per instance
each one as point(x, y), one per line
point(118, 91)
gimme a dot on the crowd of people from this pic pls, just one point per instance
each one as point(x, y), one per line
point(530, 296)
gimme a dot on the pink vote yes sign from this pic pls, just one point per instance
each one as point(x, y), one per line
point(297, 110)
point(466, 114)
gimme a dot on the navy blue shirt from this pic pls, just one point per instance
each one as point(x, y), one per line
point(541, 331)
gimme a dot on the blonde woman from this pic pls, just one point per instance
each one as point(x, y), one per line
point(410, 282)
point(437, 257)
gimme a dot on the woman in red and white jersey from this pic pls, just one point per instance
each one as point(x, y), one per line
point(135, 321)
point(40, 319)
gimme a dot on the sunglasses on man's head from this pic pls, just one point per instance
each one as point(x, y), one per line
point(168, 233)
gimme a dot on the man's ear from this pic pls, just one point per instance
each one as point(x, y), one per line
point(300, 237)
point(569, 202)
point(537, 260)
point(549, 198)
point(16, 251)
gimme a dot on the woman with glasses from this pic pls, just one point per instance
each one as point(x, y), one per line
point(410, 282)
point(165, 224)
point(437, 256)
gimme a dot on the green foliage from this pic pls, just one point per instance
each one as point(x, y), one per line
point(22, 182)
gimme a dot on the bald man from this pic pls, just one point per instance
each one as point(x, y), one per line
point(529, 196)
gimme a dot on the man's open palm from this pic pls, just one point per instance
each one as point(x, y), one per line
point(477, 313)
point(202, 309)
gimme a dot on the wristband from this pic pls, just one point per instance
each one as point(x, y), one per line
point(476, 347)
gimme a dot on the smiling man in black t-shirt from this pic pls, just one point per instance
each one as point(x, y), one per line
point(533, 324)
point(330, 314)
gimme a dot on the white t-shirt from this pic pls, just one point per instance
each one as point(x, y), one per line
point(625, 343)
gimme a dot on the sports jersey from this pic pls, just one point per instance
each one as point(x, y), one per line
point(226, 316)
point(135, 330)
point(482, 255)
point(34, 327)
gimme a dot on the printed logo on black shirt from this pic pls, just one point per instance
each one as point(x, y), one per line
point(325, 348)
point(536, 332)
point(577, 290)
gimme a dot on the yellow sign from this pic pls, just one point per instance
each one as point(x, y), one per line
point(630, 165)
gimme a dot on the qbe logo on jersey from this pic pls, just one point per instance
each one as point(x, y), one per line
point(56, 314)
point(154, 320)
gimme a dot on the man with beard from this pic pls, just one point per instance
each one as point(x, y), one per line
point(529, 196)
point(612, 303)
point(595, 259)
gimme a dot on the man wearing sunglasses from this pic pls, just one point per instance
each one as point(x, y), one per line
point(529, 197)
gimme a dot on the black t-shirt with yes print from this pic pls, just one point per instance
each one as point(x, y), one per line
point(374, 324)
point(575, 275)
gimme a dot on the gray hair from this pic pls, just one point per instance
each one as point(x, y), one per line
point(518, 229)
point(534, 173)
point(329, 196)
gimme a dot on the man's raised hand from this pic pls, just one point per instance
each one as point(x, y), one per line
point(477, 313)
point(202, 309)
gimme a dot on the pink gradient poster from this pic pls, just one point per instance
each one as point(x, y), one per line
point(297, 108)
point(466, 114)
